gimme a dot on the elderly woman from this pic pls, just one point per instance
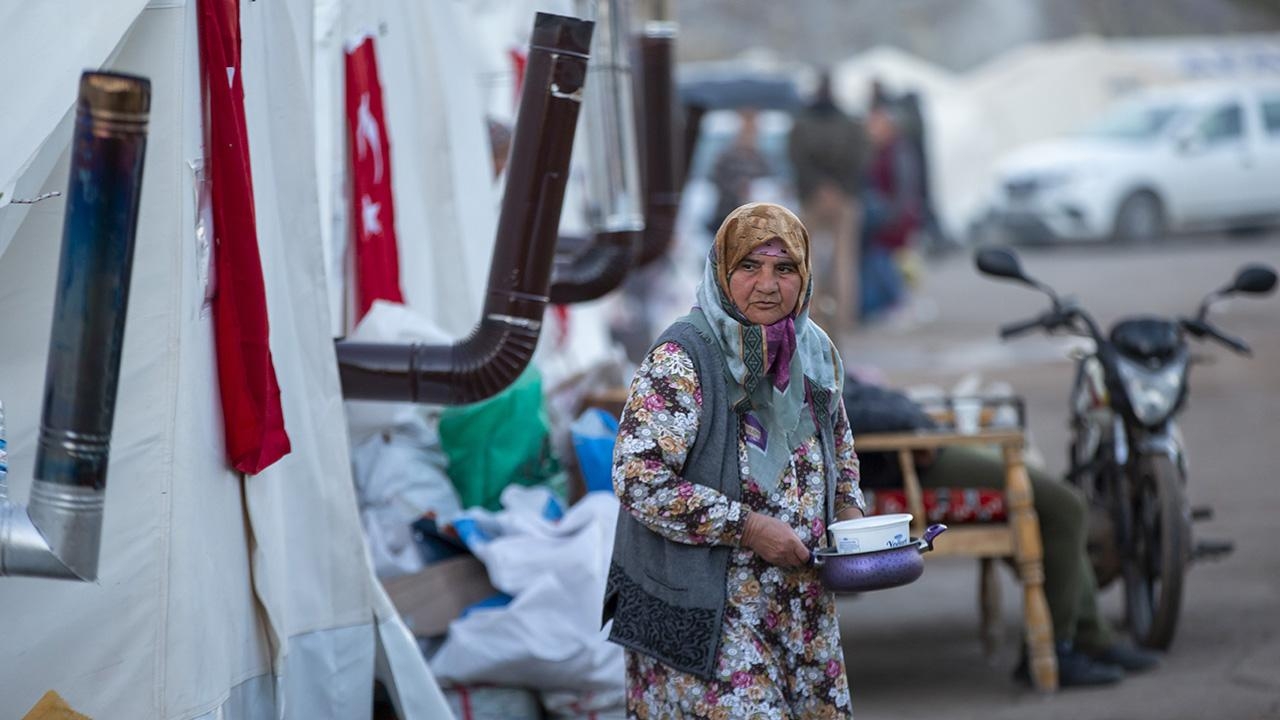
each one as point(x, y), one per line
point(733, 456)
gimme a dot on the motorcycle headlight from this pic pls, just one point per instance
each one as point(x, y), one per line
point(1152, 393)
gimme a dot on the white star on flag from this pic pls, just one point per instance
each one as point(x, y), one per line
point(369, 221)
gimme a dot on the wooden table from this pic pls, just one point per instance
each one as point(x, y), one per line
point(1018, 538)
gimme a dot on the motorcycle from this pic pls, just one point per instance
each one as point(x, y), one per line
point(1126, 451)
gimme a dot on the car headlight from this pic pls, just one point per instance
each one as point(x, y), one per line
point(1152, 393)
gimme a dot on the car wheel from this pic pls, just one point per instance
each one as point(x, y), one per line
point(1140, 219)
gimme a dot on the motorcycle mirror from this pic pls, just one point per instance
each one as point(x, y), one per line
point(1255, 279)
point(1001, 262)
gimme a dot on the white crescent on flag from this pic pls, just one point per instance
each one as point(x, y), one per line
point(367, 135)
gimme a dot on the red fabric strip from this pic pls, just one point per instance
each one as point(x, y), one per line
point(377, 263)
point(251, 412)
point(518, 61)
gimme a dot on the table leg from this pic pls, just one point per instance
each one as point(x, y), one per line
point(1029, 555)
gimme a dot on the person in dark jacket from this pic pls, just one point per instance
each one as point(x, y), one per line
point(1087, 648)
point(737, 167)
point(828, 149)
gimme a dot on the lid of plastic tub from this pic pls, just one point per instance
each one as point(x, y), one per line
point(873, 521)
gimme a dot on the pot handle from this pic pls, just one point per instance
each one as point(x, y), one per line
point(814, 560)
point(926, 543)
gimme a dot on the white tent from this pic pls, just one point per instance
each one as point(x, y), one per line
point(218, 596)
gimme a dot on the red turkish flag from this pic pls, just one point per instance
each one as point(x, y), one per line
point(252, 418)
point(377, 262)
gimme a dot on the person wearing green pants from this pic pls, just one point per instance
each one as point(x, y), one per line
point(1088, 650)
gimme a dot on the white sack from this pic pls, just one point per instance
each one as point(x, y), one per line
point(400, 477)
point(549, 637)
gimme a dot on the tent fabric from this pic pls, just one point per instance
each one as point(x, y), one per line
point(45, 48)
point(412, 694)
point(446, 205)
point(216, 598)
point(252, 418)
point(174, 593)
point(219, 598)
point(377, 266)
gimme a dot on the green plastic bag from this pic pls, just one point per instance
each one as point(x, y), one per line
point(499, 441)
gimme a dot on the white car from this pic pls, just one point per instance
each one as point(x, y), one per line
point(1179, 159)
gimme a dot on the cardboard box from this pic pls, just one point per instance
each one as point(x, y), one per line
point(432, 598)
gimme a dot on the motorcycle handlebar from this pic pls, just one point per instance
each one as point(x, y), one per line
point(1200, 328)
point(1020, 328)
point(1234, 343)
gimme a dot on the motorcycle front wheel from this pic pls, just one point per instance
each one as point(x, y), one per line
point(1159, 552)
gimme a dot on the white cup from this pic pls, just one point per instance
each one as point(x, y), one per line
point(968, 415)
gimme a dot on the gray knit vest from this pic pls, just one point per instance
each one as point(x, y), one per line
point(666, 598)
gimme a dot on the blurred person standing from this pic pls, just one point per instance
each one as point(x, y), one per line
point(739, 165)
point(891, 210)
point(915, 131)
point(827, 149)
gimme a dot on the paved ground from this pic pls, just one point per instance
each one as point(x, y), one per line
point(913, 652)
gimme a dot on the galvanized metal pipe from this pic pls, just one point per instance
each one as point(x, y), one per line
point(612, 173)
point(500, 347)
point(59, 533)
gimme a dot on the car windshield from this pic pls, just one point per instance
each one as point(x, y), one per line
point(1133, 122)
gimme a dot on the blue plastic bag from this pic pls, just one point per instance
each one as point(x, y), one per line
point(593, 434)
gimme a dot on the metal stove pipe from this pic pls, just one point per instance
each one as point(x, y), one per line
point(500, 347)
point(612, 163)
point(662, 187)
point(59, 533)
point(597, 270)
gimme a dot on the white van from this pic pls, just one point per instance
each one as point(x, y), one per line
point(1176, 159)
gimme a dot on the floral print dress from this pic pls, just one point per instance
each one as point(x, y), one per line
point(780, 655)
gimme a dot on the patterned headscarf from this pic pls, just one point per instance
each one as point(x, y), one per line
point(753, 225)
point(774, 411)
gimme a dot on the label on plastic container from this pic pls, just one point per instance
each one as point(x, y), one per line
point(848, 545)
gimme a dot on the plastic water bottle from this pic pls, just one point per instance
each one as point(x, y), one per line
point(4, 460)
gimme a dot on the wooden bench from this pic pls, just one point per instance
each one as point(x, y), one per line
point(1017, 539)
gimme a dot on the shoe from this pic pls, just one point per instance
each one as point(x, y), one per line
point(1128, 657)
point(1075, 669)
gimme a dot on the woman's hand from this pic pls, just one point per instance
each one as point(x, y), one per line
point(774, 540)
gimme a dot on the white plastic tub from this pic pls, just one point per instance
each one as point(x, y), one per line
point(869, 534)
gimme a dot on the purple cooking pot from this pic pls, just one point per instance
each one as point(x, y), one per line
point(861, 572)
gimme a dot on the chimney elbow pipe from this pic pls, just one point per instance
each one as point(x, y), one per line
point(596, 271)
point(501, 346)
point(662, 191)
point(481, 365)
point(59, 533)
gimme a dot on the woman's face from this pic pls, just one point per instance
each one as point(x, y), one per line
point(765, 288)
